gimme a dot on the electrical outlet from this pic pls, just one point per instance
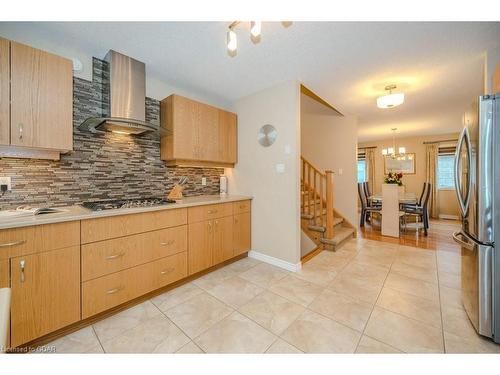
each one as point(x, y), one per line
point(204, 181)
point(5, 181)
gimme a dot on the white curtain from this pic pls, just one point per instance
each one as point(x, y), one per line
point(370, 167)
point(431, 157)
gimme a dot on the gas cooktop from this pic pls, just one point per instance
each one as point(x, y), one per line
point(126, 203)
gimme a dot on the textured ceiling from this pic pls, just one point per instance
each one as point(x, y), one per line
point(439, 66)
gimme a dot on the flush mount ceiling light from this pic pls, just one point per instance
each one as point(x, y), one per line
point(390, 100)
point(255, 35)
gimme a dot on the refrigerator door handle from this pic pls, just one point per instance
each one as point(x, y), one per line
point(457, 239)
point(464, 205)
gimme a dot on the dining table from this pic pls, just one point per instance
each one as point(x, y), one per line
point(392, 215)
point(406, 197)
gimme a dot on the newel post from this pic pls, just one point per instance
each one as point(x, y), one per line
point(329, 204)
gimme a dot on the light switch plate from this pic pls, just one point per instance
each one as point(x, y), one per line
point(341, 171)
point(280, 168)
point(6, 181)
point(288, 150)
point(204, 181)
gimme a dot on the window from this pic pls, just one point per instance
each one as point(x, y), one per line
point(361, 170)
point(445, 172)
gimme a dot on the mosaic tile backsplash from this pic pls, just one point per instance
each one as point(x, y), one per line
point(103, 165)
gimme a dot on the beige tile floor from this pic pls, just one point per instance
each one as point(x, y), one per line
point(368, 297)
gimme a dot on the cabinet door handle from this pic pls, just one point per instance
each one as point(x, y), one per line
point(20, 126)
point(168, 270)
point(114, 290)
point(15, 243)
point(168, 243)
point(22, 263)
point(114, 256)
point(216, 225)
point(210, 226)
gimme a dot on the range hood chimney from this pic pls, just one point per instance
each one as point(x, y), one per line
point(124, 98)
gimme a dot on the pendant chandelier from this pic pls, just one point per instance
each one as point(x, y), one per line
point(391, 151)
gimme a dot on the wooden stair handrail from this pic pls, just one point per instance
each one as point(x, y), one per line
point(320, 186)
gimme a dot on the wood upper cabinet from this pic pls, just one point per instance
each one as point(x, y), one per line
point(4, 92)
point(197, 133)
point(41, 90)
point(45, 293)
point(227, 138)
point(242, 233)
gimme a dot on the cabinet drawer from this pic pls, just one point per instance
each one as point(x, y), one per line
point(112, 290)
point(37, 239)
point(240, 207)
point(124, 225)
point(105, 257)
point(212, 211)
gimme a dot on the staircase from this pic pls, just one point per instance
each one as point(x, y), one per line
point(319, 220)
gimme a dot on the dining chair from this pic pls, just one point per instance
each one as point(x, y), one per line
point(365, 209)
point(368, 194)
point(419, 202)
point(421, 211)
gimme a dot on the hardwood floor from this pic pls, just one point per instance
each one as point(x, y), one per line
point(438, 238)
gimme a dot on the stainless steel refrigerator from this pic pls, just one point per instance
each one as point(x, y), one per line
point(477, 182)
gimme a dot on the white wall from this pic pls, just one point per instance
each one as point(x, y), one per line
point(329, 142)
point(155, 88)
point(276, 203)
point(492, 60)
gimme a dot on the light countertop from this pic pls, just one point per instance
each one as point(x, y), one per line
point(73, 213)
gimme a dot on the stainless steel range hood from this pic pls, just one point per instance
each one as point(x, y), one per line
point(124, 98)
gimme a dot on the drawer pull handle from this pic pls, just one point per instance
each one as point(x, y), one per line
point(212, 211)
point(168, 270)
point(168, 243)
point(114, 290)
point(22, 263)
point(114, 256)
point(242, 206)
point(15, 243)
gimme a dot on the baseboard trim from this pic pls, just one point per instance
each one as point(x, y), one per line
point(448, 217)
point(275, 261)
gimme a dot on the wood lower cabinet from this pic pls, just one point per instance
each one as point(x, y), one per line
point(223, 239)
point(45, 293)
point(62, 273)
point(197, 133)
point(200, 245)
point(242, 233)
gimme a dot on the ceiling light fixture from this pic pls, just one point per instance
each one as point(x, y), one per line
point(232, 42)
point(255, 28)
point(255, 35)
point(391, 151)
point(390, 100)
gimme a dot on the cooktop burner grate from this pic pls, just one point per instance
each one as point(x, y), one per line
point(126, 203)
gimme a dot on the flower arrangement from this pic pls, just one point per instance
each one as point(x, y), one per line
point(394, 178)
